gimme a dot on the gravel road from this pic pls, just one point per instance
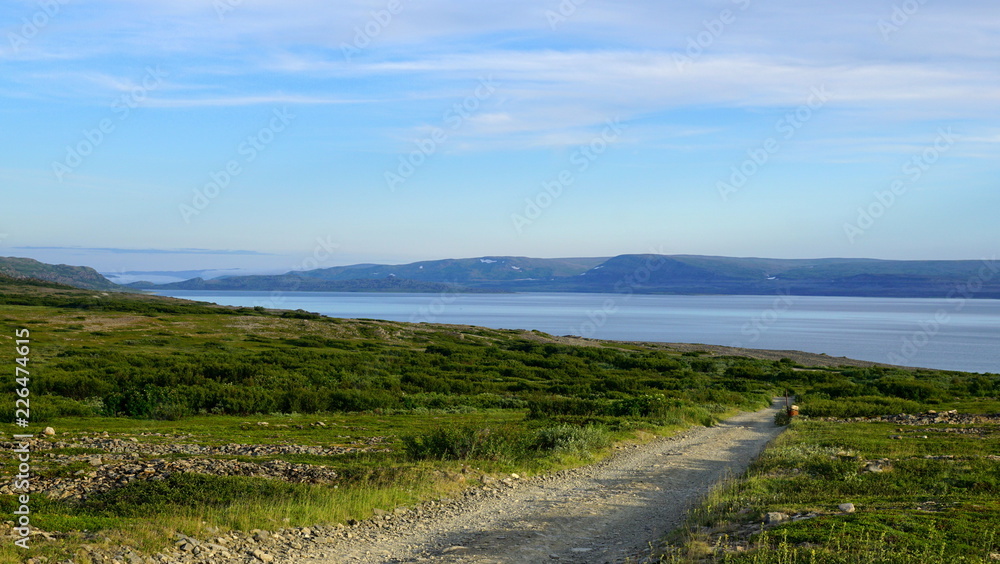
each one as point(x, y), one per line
point(601, 513)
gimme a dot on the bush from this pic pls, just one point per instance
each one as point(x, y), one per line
point(863, 406)
point(571, 439)
point(141, 498)
point(46, 407)
point(465, 443)
point(782, 418)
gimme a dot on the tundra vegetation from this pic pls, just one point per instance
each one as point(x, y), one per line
point(421, 411)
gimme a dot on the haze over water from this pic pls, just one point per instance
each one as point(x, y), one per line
point(933, 333)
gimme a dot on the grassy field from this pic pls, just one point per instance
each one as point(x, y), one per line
point(420, 410)
point(921, 493)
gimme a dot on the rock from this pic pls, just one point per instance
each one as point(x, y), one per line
point(263, 423)
point(875, 467)
point(262, 556)
point(775, 517)
point(49, 431)
point(847, 507)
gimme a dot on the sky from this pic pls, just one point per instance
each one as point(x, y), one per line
point(266, 135)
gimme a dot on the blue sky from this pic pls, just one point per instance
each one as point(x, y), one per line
point(258, 134)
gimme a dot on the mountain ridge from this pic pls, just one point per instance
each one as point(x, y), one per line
point(76, 276)
point(639, 273)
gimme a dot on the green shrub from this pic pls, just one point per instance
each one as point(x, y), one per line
point(142, 498)
point(863, 406)
point(48, 407)
point(467, 442)
point(571, 439)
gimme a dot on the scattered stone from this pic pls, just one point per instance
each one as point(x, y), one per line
point(262, 556)
point(847, 507)
point(49, 431)
point(775, 517)
point(877, 466)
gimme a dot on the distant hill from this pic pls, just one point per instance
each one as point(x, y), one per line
point(688, 274)
point(468, 271)
point(76, 276)
point(649, 274)
point(297, 283)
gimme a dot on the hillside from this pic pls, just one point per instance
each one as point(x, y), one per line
point(298, 283)
point(76, 276)
point(468, 271)
point(651, 274)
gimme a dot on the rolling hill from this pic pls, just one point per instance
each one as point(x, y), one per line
point(651, 274)
point(76, 276)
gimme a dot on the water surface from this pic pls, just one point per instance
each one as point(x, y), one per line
point(934, 333)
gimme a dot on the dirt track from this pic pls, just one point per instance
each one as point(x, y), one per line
point(600, 513)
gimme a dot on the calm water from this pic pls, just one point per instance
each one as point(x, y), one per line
point(933, 333)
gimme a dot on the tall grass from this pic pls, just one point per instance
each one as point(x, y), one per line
point(505, 443)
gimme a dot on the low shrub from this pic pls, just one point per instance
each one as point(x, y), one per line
point(863, 406)
point(466, 442)
point(571, 439)
point(141, 498)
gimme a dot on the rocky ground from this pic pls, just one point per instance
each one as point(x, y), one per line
point(126, 460)
point(605, 512)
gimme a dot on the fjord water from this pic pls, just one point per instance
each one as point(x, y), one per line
point(952, 334)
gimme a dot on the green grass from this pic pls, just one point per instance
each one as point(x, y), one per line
point(937, 500)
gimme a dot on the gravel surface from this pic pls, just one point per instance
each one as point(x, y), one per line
point(601, 513)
